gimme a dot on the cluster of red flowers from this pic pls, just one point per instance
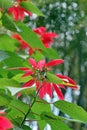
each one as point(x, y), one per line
point(39, 73)
point(46, 38)
point(5, 124)
point(17, 11)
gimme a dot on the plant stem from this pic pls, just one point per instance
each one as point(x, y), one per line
point(30, 107)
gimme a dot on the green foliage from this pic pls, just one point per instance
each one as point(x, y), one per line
point(74, 111)
point(4, 100)
point(54, 79)
point(50, 53)
point(7, 43)
point(17, 62)
point(8, 23)
point(4, 82)
point(31, 7)
point(17, 109)
point(39, 107)
point(3, 55)
point(30, 37)
point(5, 4)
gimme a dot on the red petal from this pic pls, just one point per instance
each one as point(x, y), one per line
point(26, 70)
point(37, 85)
point(54, 62)
point(5, 124)
point(66, 79)
point(41, 64)
point(46, 89)
point(39, 30)
point(21, 12)
point(16, 36)
point(24, 44)
point(28, 73)
point(30, 50)
point(58, 91)
point(49, 35)
point(49, 89)
point(42, 92)
point(28, 12)
point(33, 62)
point(29, 83)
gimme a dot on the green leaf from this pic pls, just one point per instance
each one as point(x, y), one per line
point(42, 124)
point(58, 125)
point(39, 107)
point(31, 7)
point(29, 36)
point(5, 4)
point(21, 79)
point(74, 111)
point(53, 79)
point(3, 55)
point(50, 53)
point(4, 100)
point(17, 109)
point(26, 90)
point(24, 127)
point(37, 56)
point(7, 43)
point(3, 72)
point(8, 23)
point(54, 117)
point(4, 82)
point(14, 60)
point(55, 123)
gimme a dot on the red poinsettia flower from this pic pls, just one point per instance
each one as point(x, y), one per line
point(38, 72)
point(46, 37)
point(24, 45)
point(5, 124)
point(18, 12)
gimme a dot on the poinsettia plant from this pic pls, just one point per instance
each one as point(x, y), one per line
point(27, 64)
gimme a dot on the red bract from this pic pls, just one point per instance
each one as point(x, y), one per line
point(67, 81)
point(5, 124)
point(46, 37)
point(18, 12)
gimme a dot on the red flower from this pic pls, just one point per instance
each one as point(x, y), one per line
point(38, 72)
point(18, 12)
point(5, 124)
point(46, 37)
